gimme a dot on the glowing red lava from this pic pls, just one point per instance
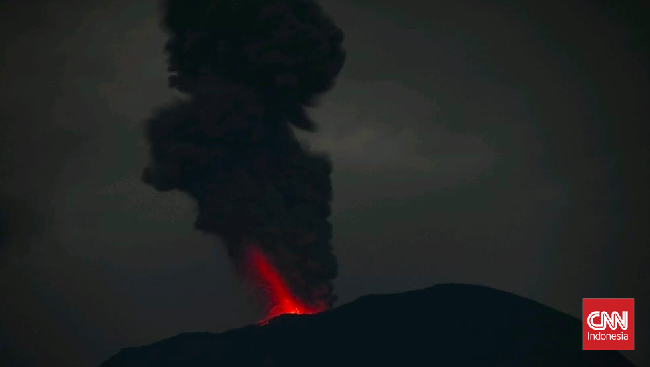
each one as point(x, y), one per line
point(281, 299)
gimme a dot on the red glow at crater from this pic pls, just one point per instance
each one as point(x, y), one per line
point(279, 296)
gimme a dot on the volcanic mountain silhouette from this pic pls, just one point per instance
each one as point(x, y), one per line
point(445, 325)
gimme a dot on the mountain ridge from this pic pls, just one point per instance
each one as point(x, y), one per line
point(446, 324)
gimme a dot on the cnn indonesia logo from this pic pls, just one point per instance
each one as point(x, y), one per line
point(608, 323)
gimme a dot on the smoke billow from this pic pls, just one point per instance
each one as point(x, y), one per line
point(249, 69)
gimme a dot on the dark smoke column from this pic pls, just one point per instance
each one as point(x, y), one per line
point(249, 68)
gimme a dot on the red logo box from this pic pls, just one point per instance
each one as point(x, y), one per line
point(608, 323)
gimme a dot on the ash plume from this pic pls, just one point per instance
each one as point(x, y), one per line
point(249, 68)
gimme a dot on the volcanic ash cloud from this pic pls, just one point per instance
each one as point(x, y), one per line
point(248, 70)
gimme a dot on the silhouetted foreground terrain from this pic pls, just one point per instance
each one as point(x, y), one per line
point(445, 325)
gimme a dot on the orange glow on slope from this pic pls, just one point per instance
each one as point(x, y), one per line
point(279, 296)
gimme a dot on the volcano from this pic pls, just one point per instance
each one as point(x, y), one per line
point(445, 325)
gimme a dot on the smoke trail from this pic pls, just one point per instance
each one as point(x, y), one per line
point(249, 68)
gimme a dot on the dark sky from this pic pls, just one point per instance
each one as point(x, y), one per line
point(502, 145)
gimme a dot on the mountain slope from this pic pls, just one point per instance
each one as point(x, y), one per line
point(445, 325)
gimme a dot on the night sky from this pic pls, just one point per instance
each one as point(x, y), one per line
point(502, 145)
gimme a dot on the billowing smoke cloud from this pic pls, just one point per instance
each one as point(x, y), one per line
point(249, 68)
